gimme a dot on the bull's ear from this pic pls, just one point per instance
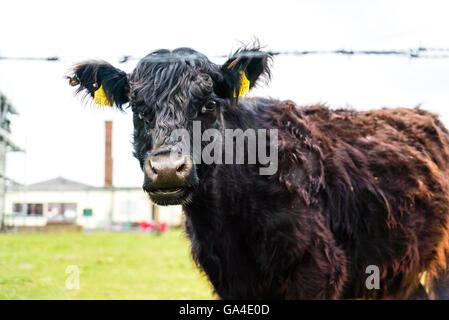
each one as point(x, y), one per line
point(101, 81)
point(242, 71)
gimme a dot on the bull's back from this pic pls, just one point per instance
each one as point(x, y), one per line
point(419, 130)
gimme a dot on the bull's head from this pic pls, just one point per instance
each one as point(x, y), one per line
point(167, 91)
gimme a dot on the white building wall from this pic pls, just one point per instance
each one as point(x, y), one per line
point(117, 206)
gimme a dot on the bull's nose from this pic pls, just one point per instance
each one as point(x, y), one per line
point(166, 171)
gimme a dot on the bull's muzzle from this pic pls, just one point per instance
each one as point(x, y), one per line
point(167, 174)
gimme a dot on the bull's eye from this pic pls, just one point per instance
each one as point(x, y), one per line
point(209, 106)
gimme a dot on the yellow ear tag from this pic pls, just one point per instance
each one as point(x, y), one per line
point(244, 84)
point(101, 99)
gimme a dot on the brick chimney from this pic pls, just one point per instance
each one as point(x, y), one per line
point(108, 164)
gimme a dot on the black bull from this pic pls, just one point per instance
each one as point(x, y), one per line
point(351, 190)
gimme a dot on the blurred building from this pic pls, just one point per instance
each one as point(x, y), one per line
point(6, 110)
point(63, 201)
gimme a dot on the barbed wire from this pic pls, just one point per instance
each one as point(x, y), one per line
point(414, 53)
point(54, 58)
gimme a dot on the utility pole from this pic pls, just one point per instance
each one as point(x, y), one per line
point(6, 109)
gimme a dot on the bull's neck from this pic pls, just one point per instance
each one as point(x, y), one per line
point(215, 179)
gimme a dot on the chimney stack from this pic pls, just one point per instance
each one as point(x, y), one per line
point(108, 165)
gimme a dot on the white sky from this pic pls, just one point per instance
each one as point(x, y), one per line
point(62, 137)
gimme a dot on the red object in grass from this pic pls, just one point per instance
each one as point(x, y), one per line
point(151, 225)
point(146, 225)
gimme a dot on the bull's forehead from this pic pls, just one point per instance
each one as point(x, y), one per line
point(174, 83)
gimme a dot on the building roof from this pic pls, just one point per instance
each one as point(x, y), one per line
point(12, 184)
point(56, 184)
point(61, 184)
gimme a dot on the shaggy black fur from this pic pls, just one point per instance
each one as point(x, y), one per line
point(353, 189)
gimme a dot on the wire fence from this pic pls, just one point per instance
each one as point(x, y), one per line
point(413, 53)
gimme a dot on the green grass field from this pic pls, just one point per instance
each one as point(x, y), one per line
point(111, 266)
